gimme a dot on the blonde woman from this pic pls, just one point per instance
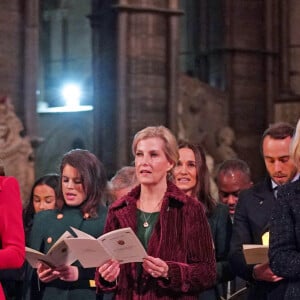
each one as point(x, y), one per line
point(172, 227)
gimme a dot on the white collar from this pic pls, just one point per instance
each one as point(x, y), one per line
point(275, 185)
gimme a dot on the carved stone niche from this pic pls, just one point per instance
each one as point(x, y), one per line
point(16, 152)
point(202, 113)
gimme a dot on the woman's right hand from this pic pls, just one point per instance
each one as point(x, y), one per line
point(45, 273)
point(110, 270)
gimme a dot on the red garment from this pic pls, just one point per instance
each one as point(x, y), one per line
point(181, 237)
point(12, 250)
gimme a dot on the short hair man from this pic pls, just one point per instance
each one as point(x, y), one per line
point(251, 219)
point(233, 176)
point(123, 181)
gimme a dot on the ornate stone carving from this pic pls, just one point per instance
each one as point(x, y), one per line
point(15, 151)
point(202, 112)
point(225, 139)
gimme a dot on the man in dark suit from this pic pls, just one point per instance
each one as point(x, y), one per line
point(251, 219)
point(233, 176)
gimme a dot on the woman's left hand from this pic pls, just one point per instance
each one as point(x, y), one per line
point(67, 273)
point(156, 267)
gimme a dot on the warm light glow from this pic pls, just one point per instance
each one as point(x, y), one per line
point(71, 94)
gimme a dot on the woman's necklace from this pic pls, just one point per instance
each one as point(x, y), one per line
point(146, 224)
point(146, 219)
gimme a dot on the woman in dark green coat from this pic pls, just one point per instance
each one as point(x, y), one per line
point(82, 188)
point(192, 176)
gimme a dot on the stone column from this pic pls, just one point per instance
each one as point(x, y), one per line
point(287, 106)
point(136, 85)
point(31, 54)
point(148, 63)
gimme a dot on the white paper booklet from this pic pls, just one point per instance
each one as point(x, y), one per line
point(120, 244)
point(59, 254)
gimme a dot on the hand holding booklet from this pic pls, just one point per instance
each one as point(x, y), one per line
point(120, 244)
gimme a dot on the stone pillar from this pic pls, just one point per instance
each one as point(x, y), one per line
point(143, 70)
point(11, 53)
point(148, 63)
point(31, 54)
point(248, 62)
point(287, 106)
point(104, 47)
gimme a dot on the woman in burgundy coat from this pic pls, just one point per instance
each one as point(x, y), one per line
point(12, 239)
point(172, 227)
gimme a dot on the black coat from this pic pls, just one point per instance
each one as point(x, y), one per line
point(284, 250)
point(251, 221)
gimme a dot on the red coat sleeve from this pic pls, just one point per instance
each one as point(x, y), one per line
point(12, 250)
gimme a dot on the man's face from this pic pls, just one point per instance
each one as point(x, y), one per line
point(229, 185)
point(277, 159)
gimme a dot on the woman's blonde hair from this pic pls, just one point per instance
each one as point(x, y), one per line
point(295, 146)
point(170, 142)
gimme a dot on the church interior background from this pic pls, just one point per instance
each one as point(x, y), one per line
point(89, 74)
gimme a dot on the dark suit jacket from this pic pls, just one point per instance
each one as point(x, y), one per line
point(284, 250)
point(251, 221)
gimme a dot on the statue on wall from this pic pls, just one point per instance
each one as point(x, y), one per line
point(15, 151)
point(225, 140)
point(201, 112)
point(212, 184)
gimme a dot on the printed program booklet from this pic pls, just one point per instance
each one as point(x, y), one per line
point(120, 244)
point(59, 254)
point(255, 254)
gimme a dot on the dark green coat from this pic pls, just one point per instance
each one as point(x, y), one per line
point(221, 227)
point(47, 227)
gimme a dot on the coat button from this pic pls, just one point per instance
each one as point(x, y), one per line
point(59, 216)
point(49, 240)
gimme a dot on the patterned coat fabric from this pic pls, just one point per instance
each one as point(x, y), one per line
point(47, 227)
point(181, 237)
point(12, 238)
point(284, 252)
point(251, 221)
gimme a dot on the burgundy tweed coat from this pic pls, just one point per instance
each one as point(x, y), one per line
point(181, 237)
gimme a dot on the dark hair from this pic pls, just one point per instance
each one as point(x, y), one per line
point(2, 169)
point(2, 172)
point(202, 188)
point(52, 180)
point(93, 178)
point(277, 131)
point(234, 165)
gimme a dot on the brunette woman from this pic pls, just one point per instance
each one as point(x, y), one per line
point(82, 187)
point(191, 175)
point(43, 196)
